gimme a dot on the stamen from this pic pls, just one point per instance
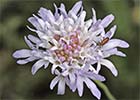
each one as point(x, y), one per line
point(57, 37)
point(62, 59)
point(62, 53)
point(70, 49)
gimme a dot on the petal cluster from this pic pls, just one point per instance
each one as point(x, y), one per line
point(72, 45)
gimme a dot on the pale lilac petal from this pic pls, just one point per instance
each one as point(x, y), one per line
point(35, 23)
point(59, 21)
point(119, 53)
point(76, 7)
point(40, 21)
point(109, 52)
point(42, 13)
point(86, 67)
point(113, 51)
point(115, 43)
point(72, 78)
point(37, 53)
point(88, 23)
point(95, 33)
point(28, 42)
point(57, 72)
point(63, 11)
point(54, 82)
point(111, 32)
point(70, 21)
point(107, 20)
point(72, 15)
point(50, 16)
point(24, 61)
point(23, 53)
point(98, 22)
point(95, 91)
point(37, 66)
point(94, 76)
point(56, 14)
point(96, 26)
point(21, 62)
point(79, 13)
point(98, 67)
point(47, 15)
point(31, 29)
point(71, 86)
point(80, 86)
point(94, 16)
point(61, 87)
point(34, 39)
point(54, 66)
point(91, 68)
point(97, 77)
point(81, 18)
point(65, 73)
point(46, 65)
point(110, 66)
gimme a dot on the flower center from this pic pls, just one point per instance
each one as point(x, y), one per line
point(68, 50)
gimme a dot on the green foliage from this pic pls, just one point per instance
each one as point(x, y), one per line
point(16, 81)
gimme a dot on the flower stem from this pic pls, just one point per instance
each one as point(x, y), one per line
point(106, 90)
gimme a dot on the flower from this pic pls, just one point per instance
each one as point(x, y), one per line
point(72, 45)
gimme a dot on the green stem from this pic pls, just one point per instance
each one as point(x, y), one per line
point(106, 90)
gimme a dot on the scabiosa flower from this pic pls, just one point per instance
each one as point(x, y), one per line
point(72, 45)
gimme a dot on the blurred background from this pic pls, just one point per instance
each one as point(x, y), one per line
point(17, 82)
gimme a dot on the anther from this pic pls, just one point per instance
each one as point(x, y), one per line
point(57, 37)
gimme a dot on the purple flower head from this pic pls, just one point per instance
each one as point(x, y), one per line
point(72, 45)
